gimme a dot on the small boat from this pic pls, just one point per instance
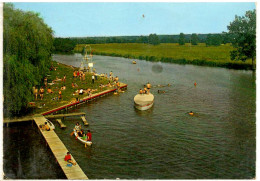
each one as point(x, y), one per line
point(143, 101)
point(50, 124)
point(89, 143)
point(134, 62)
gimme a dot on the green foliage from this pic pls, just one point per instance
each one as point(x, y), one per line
point(244, 31)
point(182, 39)
point(63, 45)
point(27, 51)
point(194, 39)
point(214, 40)
point(153, 39)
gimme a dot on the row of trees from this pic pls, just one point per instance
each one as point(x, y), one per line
point(28, 44)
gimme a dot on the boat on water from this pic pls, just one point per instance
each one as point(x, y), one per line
point(134, 62)
point(50, 124)
point(89, 143)
point(143, 101)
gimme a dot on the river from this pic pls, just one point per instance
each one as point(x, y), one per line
point(165, 142)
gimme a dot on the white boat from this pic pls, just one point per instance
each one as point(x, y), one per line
point(143, 101)
point(50, 124)
point(89, 143)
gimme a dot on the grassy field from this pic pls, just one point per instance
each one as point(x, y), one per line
point(50, 100)
point(172, 52)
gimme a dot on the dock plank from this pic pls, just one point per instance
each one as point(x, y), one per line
point(84, 120)
point(59, 150)
point(61, 123)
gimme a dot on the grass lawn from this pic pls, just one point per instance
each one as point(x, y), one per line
point(50, 100)
point(172, 52)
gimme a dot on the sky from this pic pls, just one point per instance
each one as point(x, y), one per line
point(136, 18)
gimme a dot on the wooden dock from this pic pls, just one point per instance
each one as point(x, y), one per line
point(59, 150)
point(54, 116)
point(61, 123)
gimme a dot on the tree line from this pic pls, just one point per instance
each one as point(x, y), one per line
point(28, 45)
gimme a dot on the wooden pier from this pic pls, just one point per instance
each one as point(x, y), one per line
point(59, 150)
point(61, 123)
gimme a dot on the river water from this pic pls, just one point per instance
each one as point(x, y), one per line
point(165, 142)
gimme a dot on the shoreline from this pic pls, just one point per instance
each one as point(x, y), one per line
point(197, 62)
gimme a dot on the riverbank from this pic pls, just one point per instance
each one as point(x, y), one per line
point(70, 95)
point(214, 56)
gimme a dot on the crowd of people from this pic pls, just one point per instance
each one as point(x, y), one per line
point(146, 89)
point(77, 74)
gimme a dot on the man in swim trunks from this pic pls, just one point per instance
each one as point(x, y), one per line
point(45, 127)
point(148, 85)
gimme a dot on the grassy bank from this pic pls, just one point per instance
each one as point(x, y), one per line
point(218, 56)
point(50, 100)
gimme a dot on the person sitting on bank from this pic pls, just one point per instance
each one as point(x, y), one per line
point(68, 159)
point(45, 127)
point(81, 91)
point(191, 113)
point(63, 87)
point(60, 96)
point(35, 93)
point(140, 91)
point(49, 90)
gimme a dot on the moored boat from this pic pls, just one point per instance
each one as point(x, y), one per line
point(50, 124)
point(143, 101)
point(134, 62)
point(89, 143)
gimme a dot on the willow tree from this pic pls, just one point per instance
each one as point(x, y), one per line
point(243, 28)
point(27, 51)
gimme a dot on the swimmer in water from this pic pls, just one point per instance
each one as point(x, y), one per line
point(191, 113)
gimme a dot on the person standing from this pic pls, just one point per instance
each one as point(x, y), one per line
point(93, 79)
point(148, 85)
point(45, 81)
point(41, 92)
point(64, 78)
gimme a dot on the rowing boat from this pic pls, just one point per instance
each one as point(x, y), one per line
point(89, 143)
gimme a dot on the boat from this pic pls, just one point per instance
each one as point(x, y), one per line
point(143, 101)
point(89, 143)
point(134, 62)
point(50, 124)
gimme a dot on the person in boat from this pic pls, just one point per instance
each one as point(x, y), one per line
point(45, 127)
point(191, 113)
point(68, 159)
point(116, 79)
point(140, 91)
point(89, 136)
point(81, 133)
point(41, 92)
point(77, 127)
point(49, 90)
point(148, 85)
point(110, 74)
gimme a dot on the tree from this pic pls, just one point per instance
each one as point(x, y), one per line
point(194, 39)
point(181, 39)
point(28, 44)
point(214, 40)
point(153, 39)
point(244, 31)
